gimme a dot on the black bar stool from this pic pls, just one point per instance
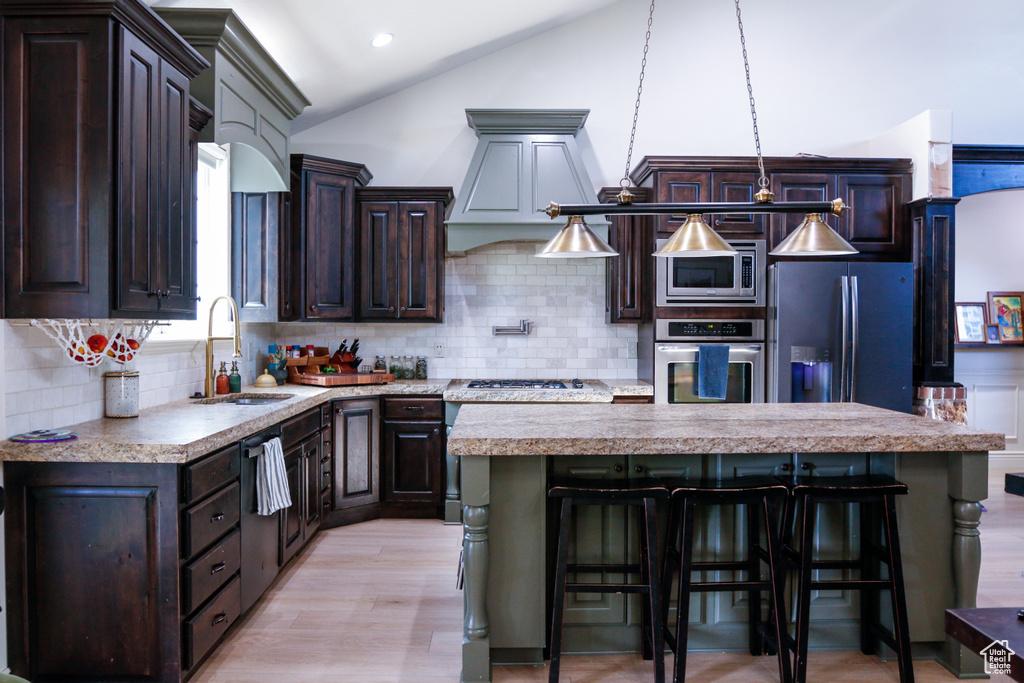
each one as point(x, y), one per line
point(579, 491)
point(874, 493)
point(761, 496)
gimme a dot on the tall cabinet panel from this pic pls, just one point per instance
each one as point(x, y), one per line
point(629, 280)
point(324, 236)
point(97, 162)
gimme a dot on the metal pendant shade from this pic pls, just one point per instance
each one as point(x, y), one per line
point(695, 238)
point(576, 240)
point(813, 237)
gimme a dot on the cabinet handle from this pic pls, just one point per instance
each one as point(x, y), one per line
point(412, 407)
point(220, 618)
point(217, 517)
point(155, 293)
point(639, 469)
point(617, 468)
point(219, 567)
point(287, 304)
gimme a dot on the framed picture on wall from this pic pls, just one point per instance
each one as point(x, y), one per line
point(991, 334)
point(1004, 310)
point(970, 323)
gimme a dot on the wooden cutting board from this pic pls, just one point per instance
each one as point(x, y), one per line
point(341, 379)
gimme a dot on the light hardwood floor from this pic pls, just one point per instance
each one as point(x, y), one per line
point(376, 603)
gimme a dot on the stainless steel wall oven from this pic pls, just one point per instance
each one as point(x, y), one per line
point(676, 359)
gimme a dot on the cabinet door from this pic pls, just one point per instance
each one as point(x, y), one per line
point(875, 223)
point(356, 453)
point(291, 516)
point(311, 477)
point(798, 187)
point(255, 246)
point(378, 225)
point(412, 462)
point(420, 261)
point(175, 252)
point(598, 535)
point(139, 234)
point(737, 188)
point(57, 167)
point(330, 247)
point(629, 274)
point(678, 187)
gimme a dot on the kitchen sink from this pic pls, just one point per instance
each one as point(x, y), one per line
point(246, 399)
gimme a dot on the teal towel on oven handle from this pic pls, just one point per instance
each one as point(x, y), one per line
point(712, 371)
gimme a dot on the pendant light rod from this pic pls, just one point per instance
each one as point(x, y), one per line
point(835, 207)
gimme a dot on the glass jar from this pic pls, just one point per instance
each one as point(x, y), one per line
point(421, 367)
point(408, 368)
point(395, 367)
point(380, 363)
point(121, 393)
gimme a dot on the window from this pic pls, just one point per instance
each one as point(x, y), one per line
point(213, 259)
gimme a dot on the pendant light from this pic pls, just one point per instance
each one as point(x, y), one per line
point(576, 240)
point(813, 237)
point(695, 238)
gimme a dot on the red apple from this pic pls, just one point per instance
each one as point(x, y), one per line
point(97, 343)
point(133, 345)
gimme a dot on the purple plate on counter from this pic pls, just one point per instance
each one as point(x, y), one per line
point(45, 436)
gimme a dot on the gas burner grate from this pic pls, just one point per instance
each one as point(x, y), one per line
point(521, 384)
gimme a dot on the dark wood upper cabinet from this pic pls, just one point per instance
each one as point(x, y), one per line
point(256, 229)
point(323, 234)
point(402, 252)
point(629, 276)
point(876, 190)
point(97, 162)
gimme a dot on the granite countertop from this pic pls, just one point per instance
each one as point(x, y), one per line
point(182, 431)
point(504, 429)
point(600, 392)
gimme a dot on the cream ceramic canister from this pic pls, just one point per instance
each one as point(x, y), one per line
point(121, 393)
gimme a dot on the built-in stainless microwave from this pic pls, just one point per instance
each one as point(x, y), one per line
point(732, 280)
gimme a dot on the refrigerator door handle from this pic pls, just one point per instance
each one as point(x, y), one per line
point(844, 336)
point(854, 334)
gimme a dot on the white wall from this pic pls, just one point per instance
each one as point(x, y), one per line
point(989, 244)
point(827, 76)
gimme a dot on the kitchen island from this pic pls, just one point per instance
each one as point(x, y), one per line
point(508, 452)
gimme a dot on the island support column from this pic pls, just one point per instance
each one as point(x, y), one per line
point(476, 511)
point(968, 486)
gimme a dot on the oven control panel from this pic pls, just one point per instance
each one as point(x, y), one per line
point(709, 330)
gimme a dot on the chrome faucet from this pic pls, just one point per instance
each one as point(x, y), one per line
point(208, 390)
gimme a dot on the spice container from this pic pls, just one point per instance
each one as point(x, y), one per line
point(408, 369)
point(121, 393)
point(395, 367)
point(380, 363)
point(421, 367)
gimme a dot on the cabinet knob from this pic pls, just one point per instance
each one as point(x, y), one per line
point(807, 465)
point(196, 298)
point(786, 467)
point(401, 309)
point(312, 307)
point(327, 474)
point(437, 431)
point(618, 468)
point(391, 309)
point(155, 292)
point(639, 469)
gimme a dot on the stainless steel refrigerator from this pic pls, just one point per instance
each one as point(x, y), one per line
point(841, 331)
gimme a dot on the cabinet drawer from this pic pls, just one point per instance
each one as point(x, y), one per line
point(299, 427)
point(204, 523)
point(420, 408)
point(208, 625)
point(201, 579)
point(201, 477)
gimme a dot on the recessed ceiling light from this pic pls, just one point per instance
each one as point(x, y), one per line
point(382, 39)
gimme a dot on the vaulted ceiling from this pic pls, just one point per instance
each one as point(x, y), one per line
point(324, 45)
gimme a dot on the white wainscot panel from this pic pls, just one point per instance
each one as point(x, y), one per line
point(996, 408)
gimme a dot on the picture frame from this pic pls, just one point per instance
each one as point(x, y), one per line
point(970, 322)
point(992, 334)
point(1005, 311)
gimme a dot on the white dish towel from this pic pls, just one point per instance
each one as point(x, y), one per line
point(272, 492)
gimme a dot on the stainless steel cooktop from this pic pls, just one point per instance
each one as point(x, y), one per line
point(532, 384)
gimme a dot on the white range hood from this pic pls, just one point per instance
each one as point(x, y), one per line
point(526, 158)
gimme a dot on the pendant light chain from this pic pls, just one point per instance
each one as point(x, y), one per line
point(625, 182)
point(763, 181)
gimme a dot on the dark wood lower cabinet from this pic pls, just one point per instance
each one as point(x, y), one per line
point(355, 462)
point(412, 458)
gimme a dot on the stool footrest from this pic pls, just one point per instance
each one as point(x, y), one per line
point(717, 586)
point(606, 588)
point(602, 568)
point(836, 564)
point(725, 566)
point(885, 635)
point(856, 584)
